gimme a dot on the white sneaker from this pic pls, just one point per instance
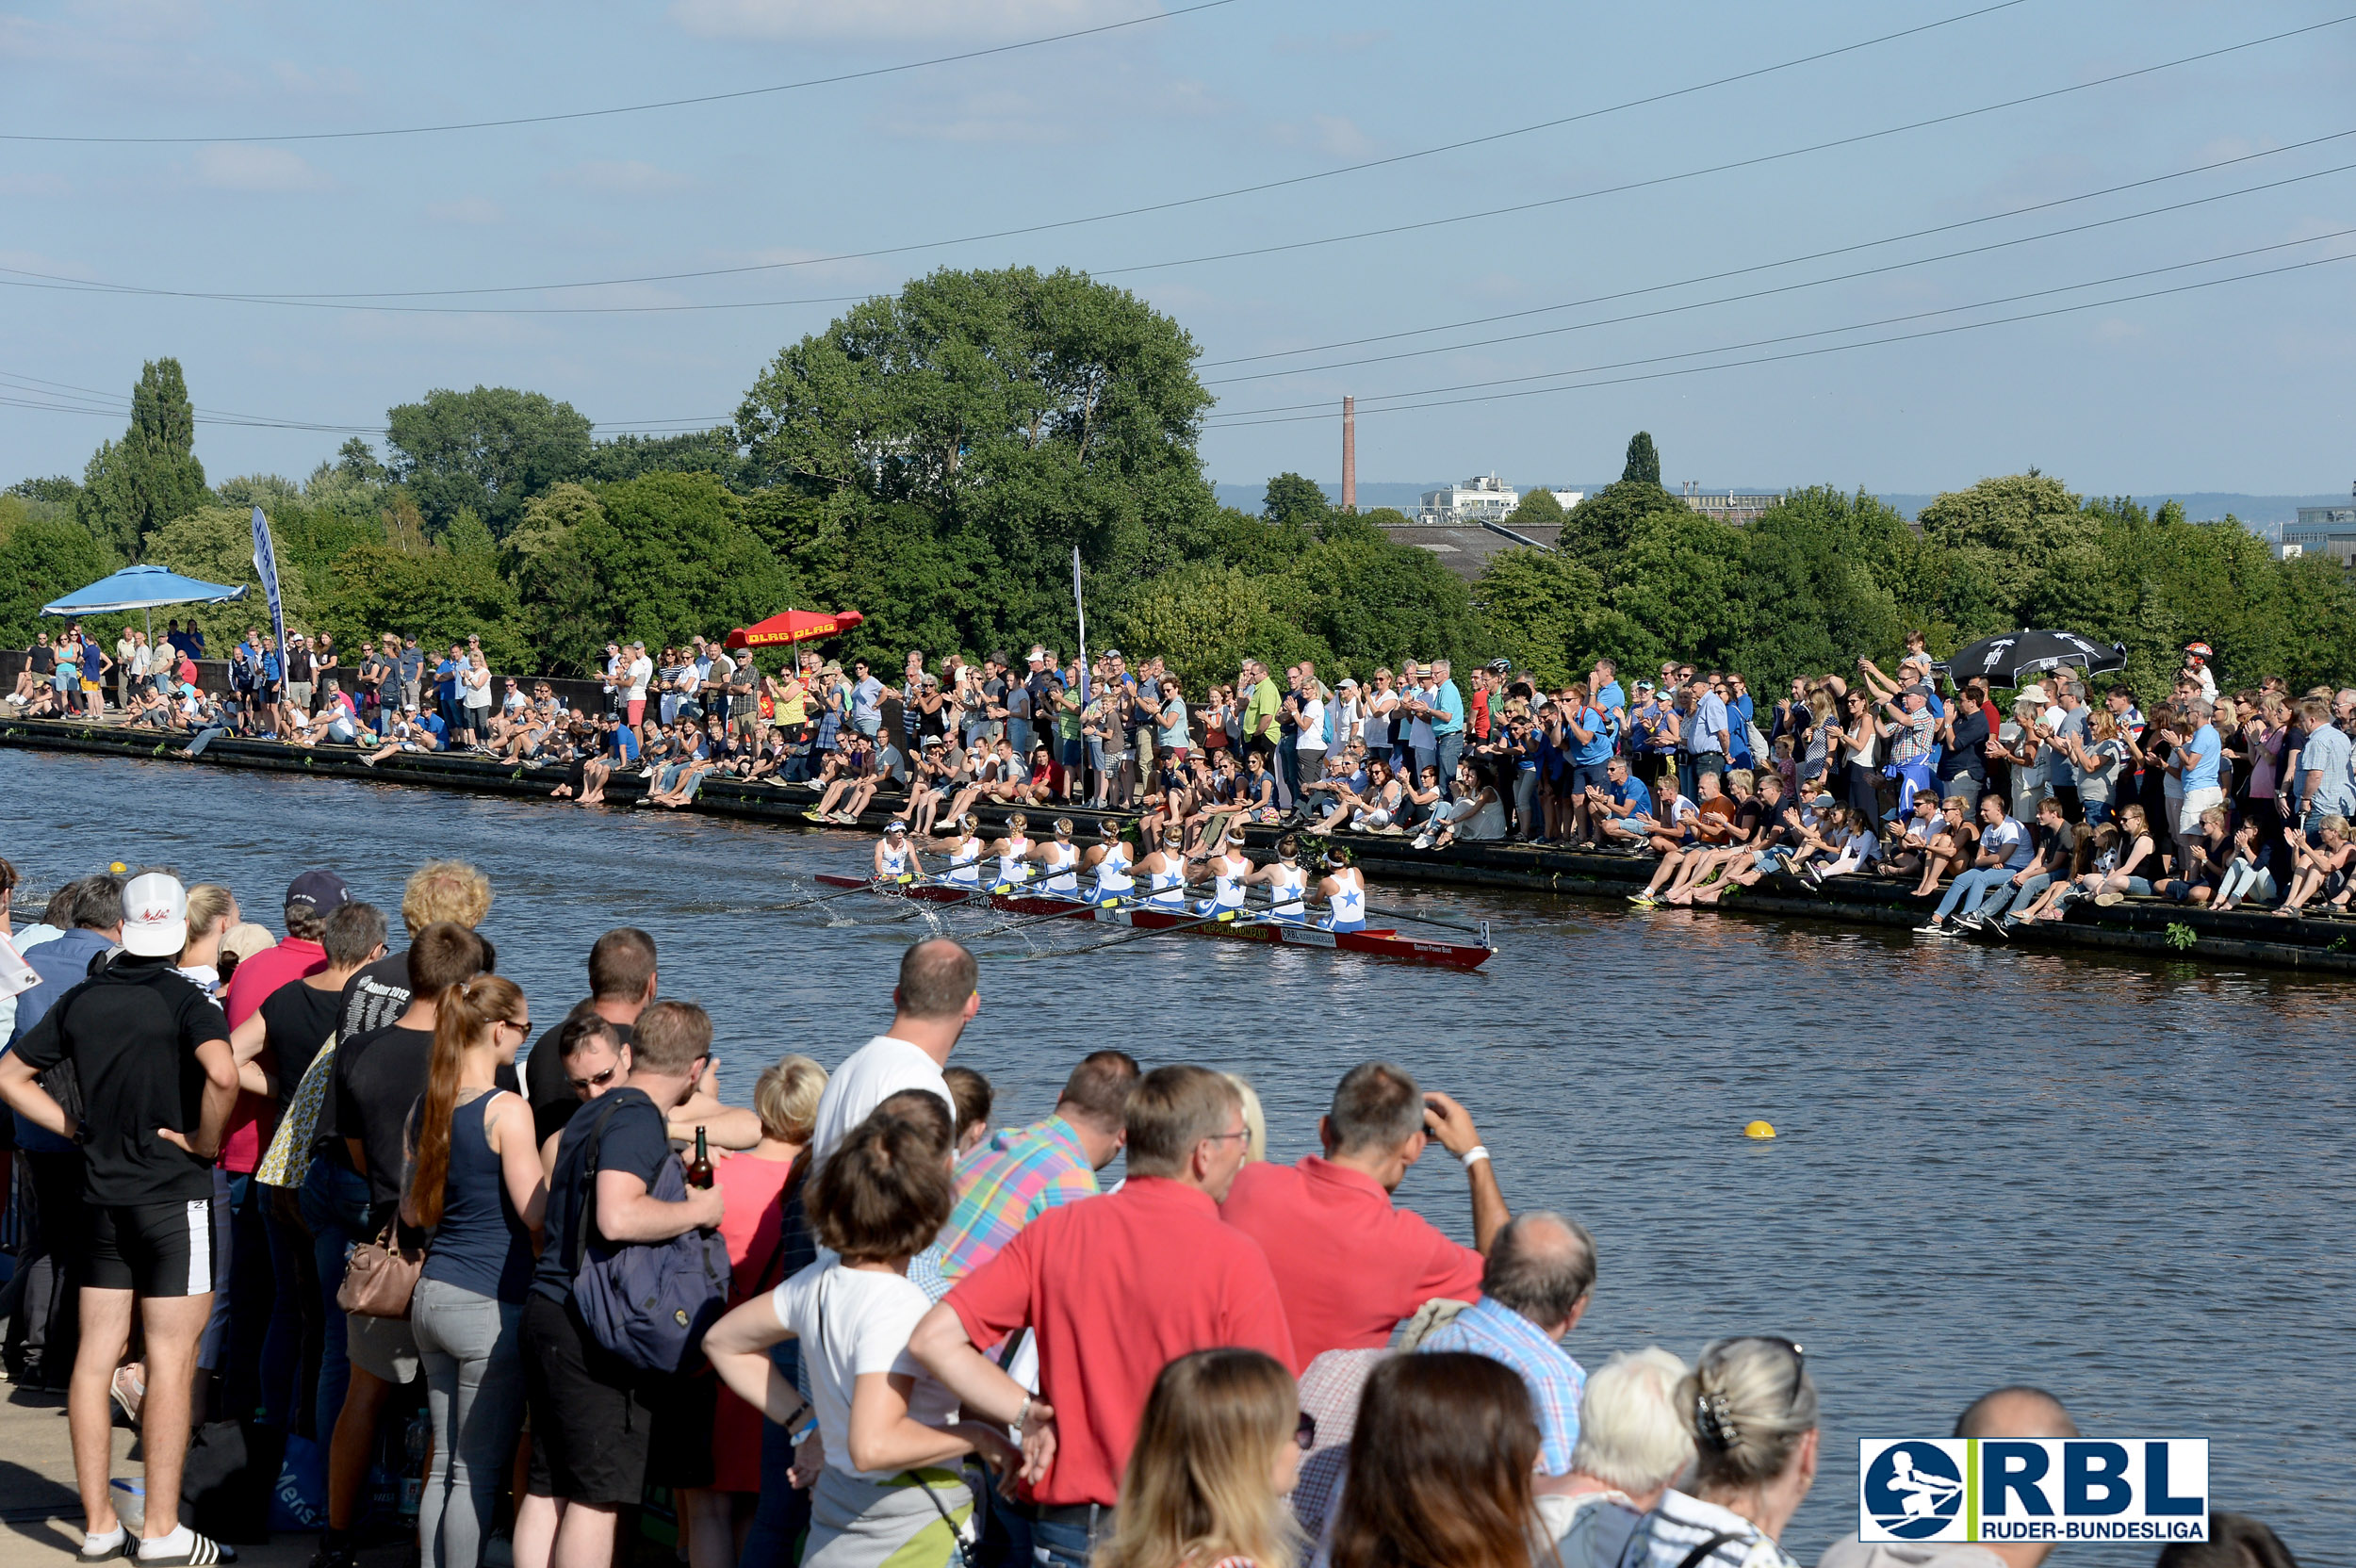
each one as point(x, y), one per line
point(1932, 928)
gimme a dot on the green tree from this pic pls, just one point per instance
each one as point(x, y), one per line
point(490, 450)
point(1536, 509)
point(1204, 619)
point(1644, 464)
point(1680, 589)
point(1599, 529)
point(702, 451)
point(1294, 499)
point(1538, 607)
point(215, 544)
point(1373, 602)
point(58, 489)
point(1821, 585)
point(41, 559)
point(2001, 537)
point(133, 487)
point(410, 584)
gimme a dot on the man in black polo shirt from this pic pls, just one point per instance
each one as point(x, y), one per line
point(150, 1053)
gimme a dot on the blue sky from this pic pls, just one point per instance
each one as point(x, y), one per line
point(2244, 387)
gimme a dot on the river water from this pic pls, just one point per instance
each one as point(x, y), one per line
point(2126, 1183)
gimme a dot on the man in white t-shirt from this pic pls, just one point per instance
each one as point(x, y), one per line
point(641, 676)
point(934, 1000)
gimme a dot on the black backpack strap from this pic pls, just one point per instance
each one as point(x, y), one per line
point(1693, 1559)
point(589, 1184)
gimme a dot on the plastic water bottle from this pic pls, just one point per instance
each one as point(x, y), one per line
point(414, 1444)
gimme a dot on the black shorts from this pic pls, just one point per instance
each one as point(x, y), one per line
point(592, 1414)
point(152, 1250)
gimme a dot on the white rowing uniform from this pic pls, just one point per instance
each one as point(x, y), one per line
point(893, 860)
point(1013, 866)
point(1348, 902)
point(1112, 872)
point(1285, 886)
point(1168, 886)
point(965, 858)
point(1226, 887)
point(1062, 861)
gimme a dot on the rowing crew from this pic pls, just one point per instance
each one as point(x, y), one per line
point(1056, 865)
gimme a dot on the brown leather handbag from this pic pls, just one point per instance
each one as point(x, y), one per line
point(379, 1277)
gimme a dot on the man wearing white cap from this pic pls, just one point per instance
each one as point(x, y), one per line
point(158, 1082)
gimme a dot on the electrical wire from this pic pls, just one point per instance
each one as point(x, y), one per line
point(1325, 412)
point(1323, 175)
point(625, 108)
point(1779, 288)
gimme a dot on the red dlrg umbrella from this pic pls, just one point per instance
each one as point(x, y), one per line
point(794, 625)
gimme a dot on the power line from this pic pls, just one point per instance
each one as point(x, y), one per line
point(1780, 289)
point(1305, 179)
point(1788, 261)
point(625, 108)
point(1325, 407)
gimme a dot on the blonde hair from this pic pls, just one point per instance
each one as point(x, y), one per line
point(1199, 1485)
point(785, 1097)
point(1749, 1401)
point(1255, 1119)
point(208, 902)
point(445, 891)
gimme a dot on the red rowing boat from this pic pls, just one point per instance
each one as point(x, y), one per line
point(1378, 943)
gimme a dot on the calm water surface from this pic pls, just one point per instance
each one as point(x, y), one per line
point(2128, 1184)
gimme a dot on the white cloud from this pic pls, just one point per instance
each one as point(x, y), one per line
point(466, 209)
point(627, 177)
point(1337, 135)
point(983, 116)
point(264, 171)
point(859, 20)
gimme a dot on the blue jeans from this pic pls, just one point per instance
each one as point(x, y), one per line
point(331, 1197)
point(1055, 1543)
point(1972, 884)
point(1288, 772)
point(1019, 736)
point(1451, 748)
point(2005, 895)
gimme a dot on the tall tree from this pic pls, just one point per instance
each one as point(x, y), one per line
point(488, 450)
point(1294, 499)
point(1643, 463)
point(134, 487)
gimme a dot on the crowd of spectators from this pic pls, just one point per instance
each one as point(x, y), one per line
point(2067, 791)
point(320, 1175)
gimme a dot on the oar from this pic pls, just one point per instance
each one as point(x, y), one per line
point(1224, 915)
point(1427, 920)
point(1060, 914)
point(870, 886)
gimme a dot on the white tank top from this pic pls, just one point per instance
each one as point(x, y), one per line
point(1112, 872)
point(1060, 860)
point(1227, 886)
point(894, 860)
point(964, 857)
point(1011, 865)
point(1285, 886)
point(1168, 885)
point(1348, 902)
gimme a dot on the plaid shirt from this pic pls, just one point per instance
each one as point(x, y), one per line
point(1488, 1328)
point(1017, 1177)
point(1911, 738)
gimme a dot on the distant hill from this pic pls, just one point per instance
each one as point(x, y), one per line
point(2263, 514)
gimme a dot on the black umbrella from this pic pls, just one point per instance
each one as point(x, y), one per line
point(2003, 660)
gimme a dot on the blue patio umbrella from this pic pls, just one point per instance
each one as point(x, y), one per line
point(141, 587)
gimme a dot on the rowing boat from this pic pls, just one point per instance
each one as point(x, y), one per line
point(1379, 943)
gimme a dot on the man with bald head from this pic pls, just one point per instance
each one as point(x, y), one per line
point(2014, 1411)
point(1536, 1288)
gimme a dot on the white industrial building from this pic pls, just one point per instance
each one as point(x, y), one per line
point(2322, 530)
point(1483, 498)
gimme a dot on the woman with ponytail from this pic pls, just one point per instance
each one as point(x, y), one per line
point(475, 1183)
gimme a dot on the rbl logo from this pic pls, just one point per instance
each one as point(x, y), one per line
point(2033, 1488)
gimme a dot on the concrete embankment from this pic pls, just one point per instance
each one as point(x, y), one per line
point(2145, 927)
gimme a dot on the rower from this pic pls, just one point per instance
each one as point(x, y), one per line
point(1345, 889)
point(1230, 869)
point(1014, 852)
point(1109, 860)
point(1287, 882)
point(1165, 871)
point(895, 857)
point(1061, 857)
point(965, 849)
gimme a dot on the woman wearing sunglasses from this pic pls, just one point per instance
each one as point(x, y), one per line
point(1218, 1451)
point(1752, 1410)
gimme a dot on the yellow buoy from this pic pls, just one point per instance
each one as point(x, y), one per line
point(1760, 1130)
point(118, 868)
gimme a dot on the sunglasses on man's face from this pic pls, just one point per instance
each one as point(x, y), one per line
point(594, 1080)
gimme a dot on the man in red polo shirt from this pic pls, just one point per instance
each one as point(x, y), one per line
point(1113, 1289)
point(1347, 1262)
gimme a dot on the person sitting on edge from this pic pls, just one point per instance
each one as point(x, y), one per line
point(1348, 1262)
point(1633, 1443)
point(1540, 1277)
point(1113, 1290)
point(2004, 848)
point(1620, 809)
point(2018, 1411)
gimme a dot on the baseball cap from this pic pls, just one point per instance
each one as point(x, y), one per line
point(1345, 683)
point(323, 891)
point(2034, 692)
point(154, 915)
point(1921, 691)
point(1112, 653)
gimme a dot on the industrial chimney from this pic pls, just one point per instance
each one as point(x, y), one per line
point(1350, 454)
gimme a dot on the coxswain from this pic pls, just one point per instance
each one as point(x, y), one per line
point(1013, 850)
point(896, 857)
point(1165, 871)
point(1345, 889)
point(1287, 882)
point(1110, 863)
point(1060, 859)
point(965, 849)
point(1230, 870)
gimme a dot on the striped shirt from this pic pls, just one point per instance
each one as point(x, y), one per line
point(1016, 1177)
point(1489, 1328)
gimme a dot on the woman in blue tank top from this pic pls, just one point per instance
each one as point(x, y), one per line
point(475, 1183)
